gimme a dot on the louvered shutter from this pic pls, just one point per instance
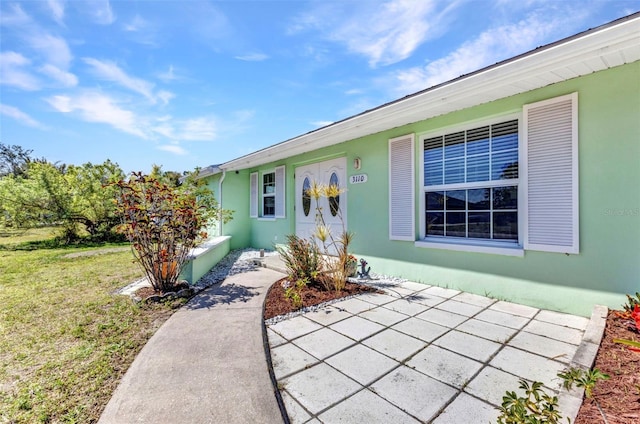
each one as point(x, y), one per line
point(401, 188)
point(551, 175)
point(253, 199)
point(280, 192)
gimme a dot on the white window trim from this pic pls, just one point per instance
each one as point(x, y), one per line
point(281, 192)
point(263, 195)
point(254, 195)
point(473, 245)
point(465, 244)
point(257, 196)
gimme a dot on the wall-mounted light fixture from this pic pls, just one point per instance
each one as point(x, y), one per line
point(357, 163)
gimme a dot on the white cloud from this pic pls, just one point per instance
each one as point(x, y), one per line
point(101, 12)
point(165, 96)
point(142, 31)
point(112, 72)
point(384, 33)
point(353, 92)
point(136, 24)
point(57, 10)
point(489, 47)
point(97, 107)
point(253, 57)
point(165, 129)
point(202, 128)
point(198, 129)
point(173, 148)
point(12, 72)
point(15, 17)
point(393, 32)
point(54, 49)
point(209, 24)
point(357, 106)
point(320, 124)
point(51, 48)
point(169, 75)
point(20, 116)
point(65, 78)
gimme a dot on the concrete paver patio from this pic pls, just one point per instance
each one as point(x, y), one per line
point(420, 353)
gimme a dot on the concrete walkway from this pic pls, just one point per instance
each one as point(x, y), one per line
point(206, 364)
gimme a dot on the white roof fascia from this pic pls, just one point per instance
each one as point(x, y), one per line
point(535, 69)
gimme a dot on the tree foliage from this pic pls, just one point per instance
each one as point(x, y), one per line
point(163, 223)
point(14, 160)
point(74, 197)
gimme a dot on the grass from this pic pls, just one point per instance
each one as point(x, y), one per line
point(65, 338)
point(11, 237)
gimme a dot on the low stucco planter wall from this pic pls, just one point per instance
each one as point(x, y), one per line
point(205, 257)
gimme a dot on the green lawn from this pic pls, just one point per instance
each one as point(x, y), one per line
point(65, 338)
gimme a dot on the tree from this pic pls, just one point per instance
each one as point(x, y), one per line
point(14, 160)
point(171, 178)
point(72, 197)
point(163, 224)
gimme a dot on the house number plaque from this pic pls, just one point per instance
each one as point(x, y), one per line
point(358, 179)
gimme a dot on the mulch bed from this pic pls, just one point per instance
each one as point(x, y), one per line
point(277, 304)
point(619, 396)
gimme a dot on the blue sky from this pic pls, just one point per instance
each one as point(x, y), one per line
point(193, 83)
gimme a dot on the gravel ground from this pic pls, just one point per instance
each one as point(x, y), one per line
point(242, 260)
point(236, 262)
point(239, 261)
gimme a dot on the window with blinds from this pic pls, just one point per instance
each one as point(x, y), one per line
point(471, 183)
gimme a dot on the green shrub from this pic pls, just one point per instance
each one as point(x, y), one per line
point(535, 407)
point(301, 257)
point(293, 293)
point(632, 302)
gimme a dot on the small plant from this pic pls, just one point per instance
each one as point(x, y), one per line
point(335, 248)
point(585, 379)
point(352, 266)
point(582, 378)
point(293, 292)
point(633, 345)
point(632, 303)
point(301, 257)
point(635, 315)
point(535, 407)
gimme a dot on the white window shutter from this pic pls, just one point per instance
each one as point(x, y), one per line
point(253, 200)
point(280, 192)
point(551, 175)
point(401, 188)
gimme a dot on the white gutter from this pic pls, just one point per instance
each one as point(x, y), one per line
point(224, 174)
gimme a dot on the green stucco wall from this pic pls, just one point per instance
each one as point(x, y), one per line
point(196, 268)
point(609, 161)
